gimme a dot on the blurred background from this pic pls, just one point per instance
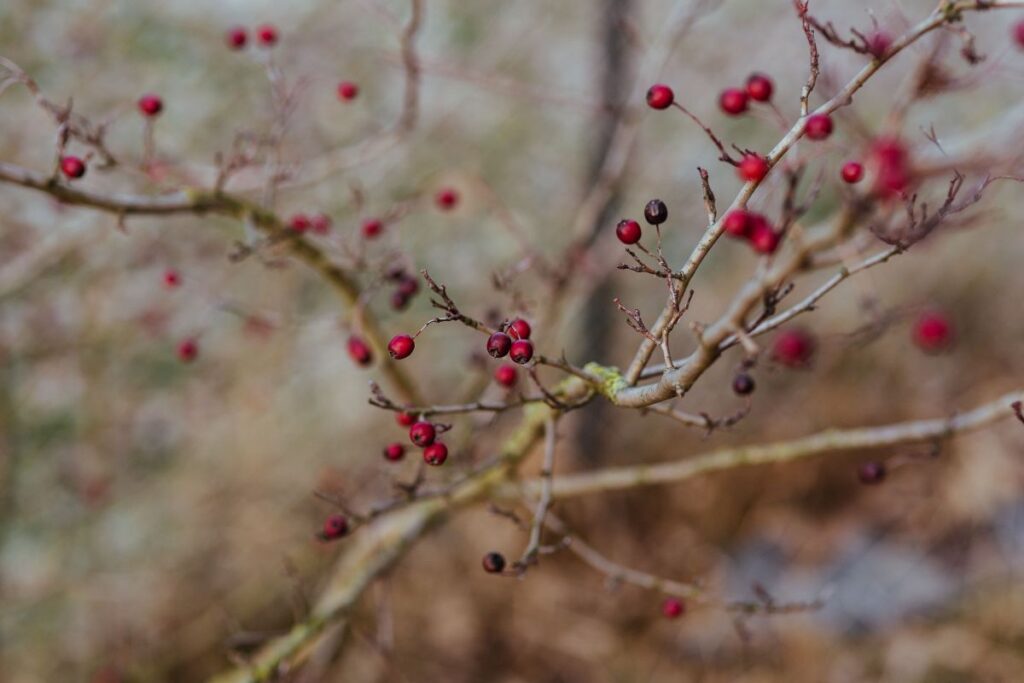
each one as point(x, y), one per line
point(156, 516)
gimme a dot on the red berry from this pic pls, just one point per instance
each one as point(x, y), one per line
point(660, 96)
point(359, 351)
point(236, 37)
point(446, 198)
point(335, 527)
point(763, 237)
point(399, 300)
point(371, 228)
point(320, 223)
point(150, 105)
point(738, 223)
point(794, 348)
point(655, 212)
point(72, 167)
point(347, 91)
point(519, 329)
point(401, 346)
point(673, 608)
point(878, 44)
point(872, 472)
point(1018, 33)
point(743, 384)
point(493, 563)
point(404, 419)
point(267, 35)
point(188, 350)
point(435, 454)
point(422, 434)
point(172, 278)
point(933, 332)
point(299, 223)
point(394, 452)
point(408, 286)
point(628, 231)
point(819, 126)
point(506, 375)
point(890, 160)
point(498, 345)
point(852, 172)
point(760, 87)
point(521, 351)
point(733, 101)
point(753, 168)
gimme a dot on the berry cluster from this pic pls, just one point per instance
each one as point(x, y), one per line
point(317, 223)
point(755, 228)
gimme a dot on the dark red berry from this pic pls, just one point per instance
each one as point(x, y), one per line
point(498, 345)
point(655, 212)
point(673, 608)
point(878, 44)
point(371, 228)
point(760, 87)
point(399, 301)
point(743, 384)
point(236, 38)
point(401, 346)
point(335, 527)
point(628, 231)
point(422, 434)
point(188, 350)
point(519, 329)
point(752, 168)
point(72, 167)
point(506, 375)
point(737, 223)
point(494, 563)
point(733, 101)
point(320, 223)
point(794, 348)
point(660, 96)
point(347, 91)
point(763, 237)
point(267, 35)
point(435, 454)
point(404, 419)
point(172, 278)
point(1018, 33)
point(408, 286)
point(299, 223)
point(446, 198)
point(852, 172)
point(150, 104)
point(394, 452)
point(521, 351)
point(871, 472)
point(933, 332)
point(819, 126)
point(359, 351)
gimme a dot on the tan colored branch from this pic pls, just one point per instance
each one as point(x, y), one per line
point(194, 201)
point(830, 441)
point(381, 542)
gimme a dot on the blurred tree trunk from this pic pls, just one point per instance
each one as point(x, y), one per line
point(613, 79)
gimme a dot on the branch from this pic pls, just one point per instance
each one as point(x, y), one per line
point(382, 541)
point(947, 12)
point(547, 474)
point(197, 201)
point(833, 440)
